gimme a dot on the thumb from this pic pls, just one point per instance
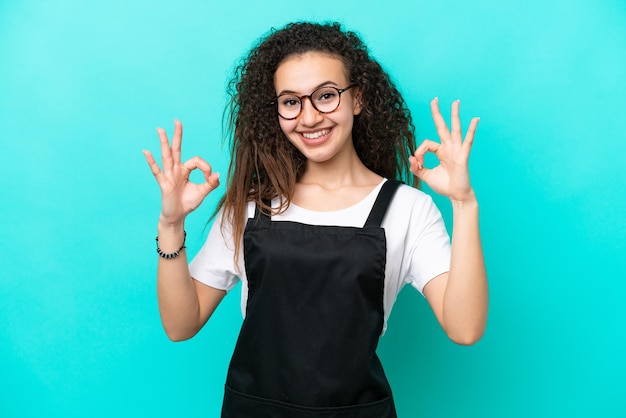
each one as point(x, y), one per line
point(417, 167)
point(212, 182)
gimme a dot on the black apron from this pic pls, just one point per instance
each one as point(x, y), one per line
point(307, 346)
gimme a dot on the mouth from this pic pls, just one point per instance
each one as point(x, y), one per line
point(317, 137)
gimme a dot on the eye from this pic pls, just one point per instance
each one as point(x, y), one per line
point(290, 102)
point(326, 95)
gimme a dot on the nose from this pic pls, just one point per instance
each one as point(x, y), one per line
point(310, 116)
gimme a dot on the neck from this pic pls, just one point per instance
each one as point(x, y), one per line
point(337, 173)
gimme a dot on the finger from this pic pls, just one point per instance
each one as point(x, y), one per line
point(208, 186)
point(424, 147)
point(154, 167)
point(440, 123)
point(471, 131)
point(414, 165)
point(166, 151)
point(418, 168)
point(212, 179)
point(177, 140)
point(456, 122)
point(198, 163)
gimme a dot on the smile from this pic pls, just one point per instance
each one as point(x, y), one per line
point(315, 135)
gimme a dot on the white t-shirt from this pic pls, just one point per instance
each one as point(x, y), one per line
point(418, 245)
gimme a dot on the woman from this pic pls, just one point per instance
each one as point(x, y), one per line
point(318, 230)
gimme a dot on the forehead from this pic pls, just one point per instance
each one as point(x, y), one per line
point(303, 73)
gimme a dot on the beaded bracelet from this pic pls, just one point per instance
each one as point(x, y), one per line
point(170, 255)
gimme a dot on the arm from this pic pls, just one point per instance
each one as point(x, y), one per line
point(458, 298)
point(184, 304)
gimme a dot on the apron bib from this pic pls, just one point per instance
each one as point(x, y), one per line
point(307, 346)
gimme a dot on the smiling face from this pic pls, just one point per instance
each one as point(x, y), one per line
point(320, 137)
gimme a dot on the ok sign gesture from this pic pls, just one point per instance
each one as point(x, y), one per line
point(179, 196)
point(451, 177)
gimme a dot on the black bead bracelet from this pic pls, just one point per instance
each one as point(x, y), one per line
point(170, 255)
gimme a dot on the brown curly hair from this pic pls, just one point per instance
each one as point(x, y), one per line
point(264, 163)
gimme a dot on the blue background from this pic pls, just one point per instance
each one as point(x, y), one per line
point(83, 85)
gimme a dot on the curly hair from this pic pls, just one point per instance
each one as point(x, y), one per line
point(264, 163)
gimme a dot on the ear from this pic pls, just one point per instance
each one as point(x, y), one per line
point(358, 101)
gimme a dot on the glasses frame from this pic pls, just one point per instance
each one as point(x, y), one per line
point(308, 96)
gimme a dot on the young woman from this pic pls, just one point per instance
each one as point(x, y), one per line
point(315, 225)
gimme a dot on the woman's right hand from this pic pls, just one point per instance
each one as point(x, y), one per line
point(179, 196)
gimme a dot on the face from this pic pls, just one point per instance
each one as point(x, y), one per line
point(321, 137)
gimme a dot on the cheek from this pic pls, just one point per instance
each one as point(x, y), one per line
point(343, 119)
point(287, 126)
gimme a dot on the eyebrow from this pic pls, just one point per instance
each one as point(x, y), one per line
point(325, 83)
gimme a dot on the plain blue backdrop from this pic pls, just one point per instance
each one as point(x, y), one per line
point(83, 85)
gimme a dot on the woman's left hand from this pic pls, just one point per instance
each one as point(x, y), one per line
point(451, 177)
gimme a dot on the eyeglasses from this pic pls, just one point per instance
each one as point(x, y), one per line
point(324, 99)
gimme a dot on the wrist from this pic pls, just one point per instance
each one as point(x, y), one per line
point(170, 236)
point(469, 202)
point(168, 226)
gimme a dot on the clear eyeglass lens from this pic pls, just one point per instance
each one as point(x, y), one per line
point(325, 99)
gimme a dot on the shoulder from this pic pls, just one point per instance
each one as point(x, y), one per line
point(412, 209)
point(407, 196)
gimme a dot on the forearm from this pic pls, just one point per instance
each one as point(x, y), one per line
point(177, 295)
point(465, 302)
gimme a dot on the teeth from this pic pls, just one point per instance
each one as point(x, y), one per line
point(314, 135)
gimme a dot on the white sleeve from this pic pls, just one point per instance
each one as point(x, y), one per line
point(418, 245)
point(214, 265)
point(428, 244)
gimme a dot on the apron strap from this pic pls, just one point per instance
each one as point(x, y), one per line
point(387, 191)
point(261, 218)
